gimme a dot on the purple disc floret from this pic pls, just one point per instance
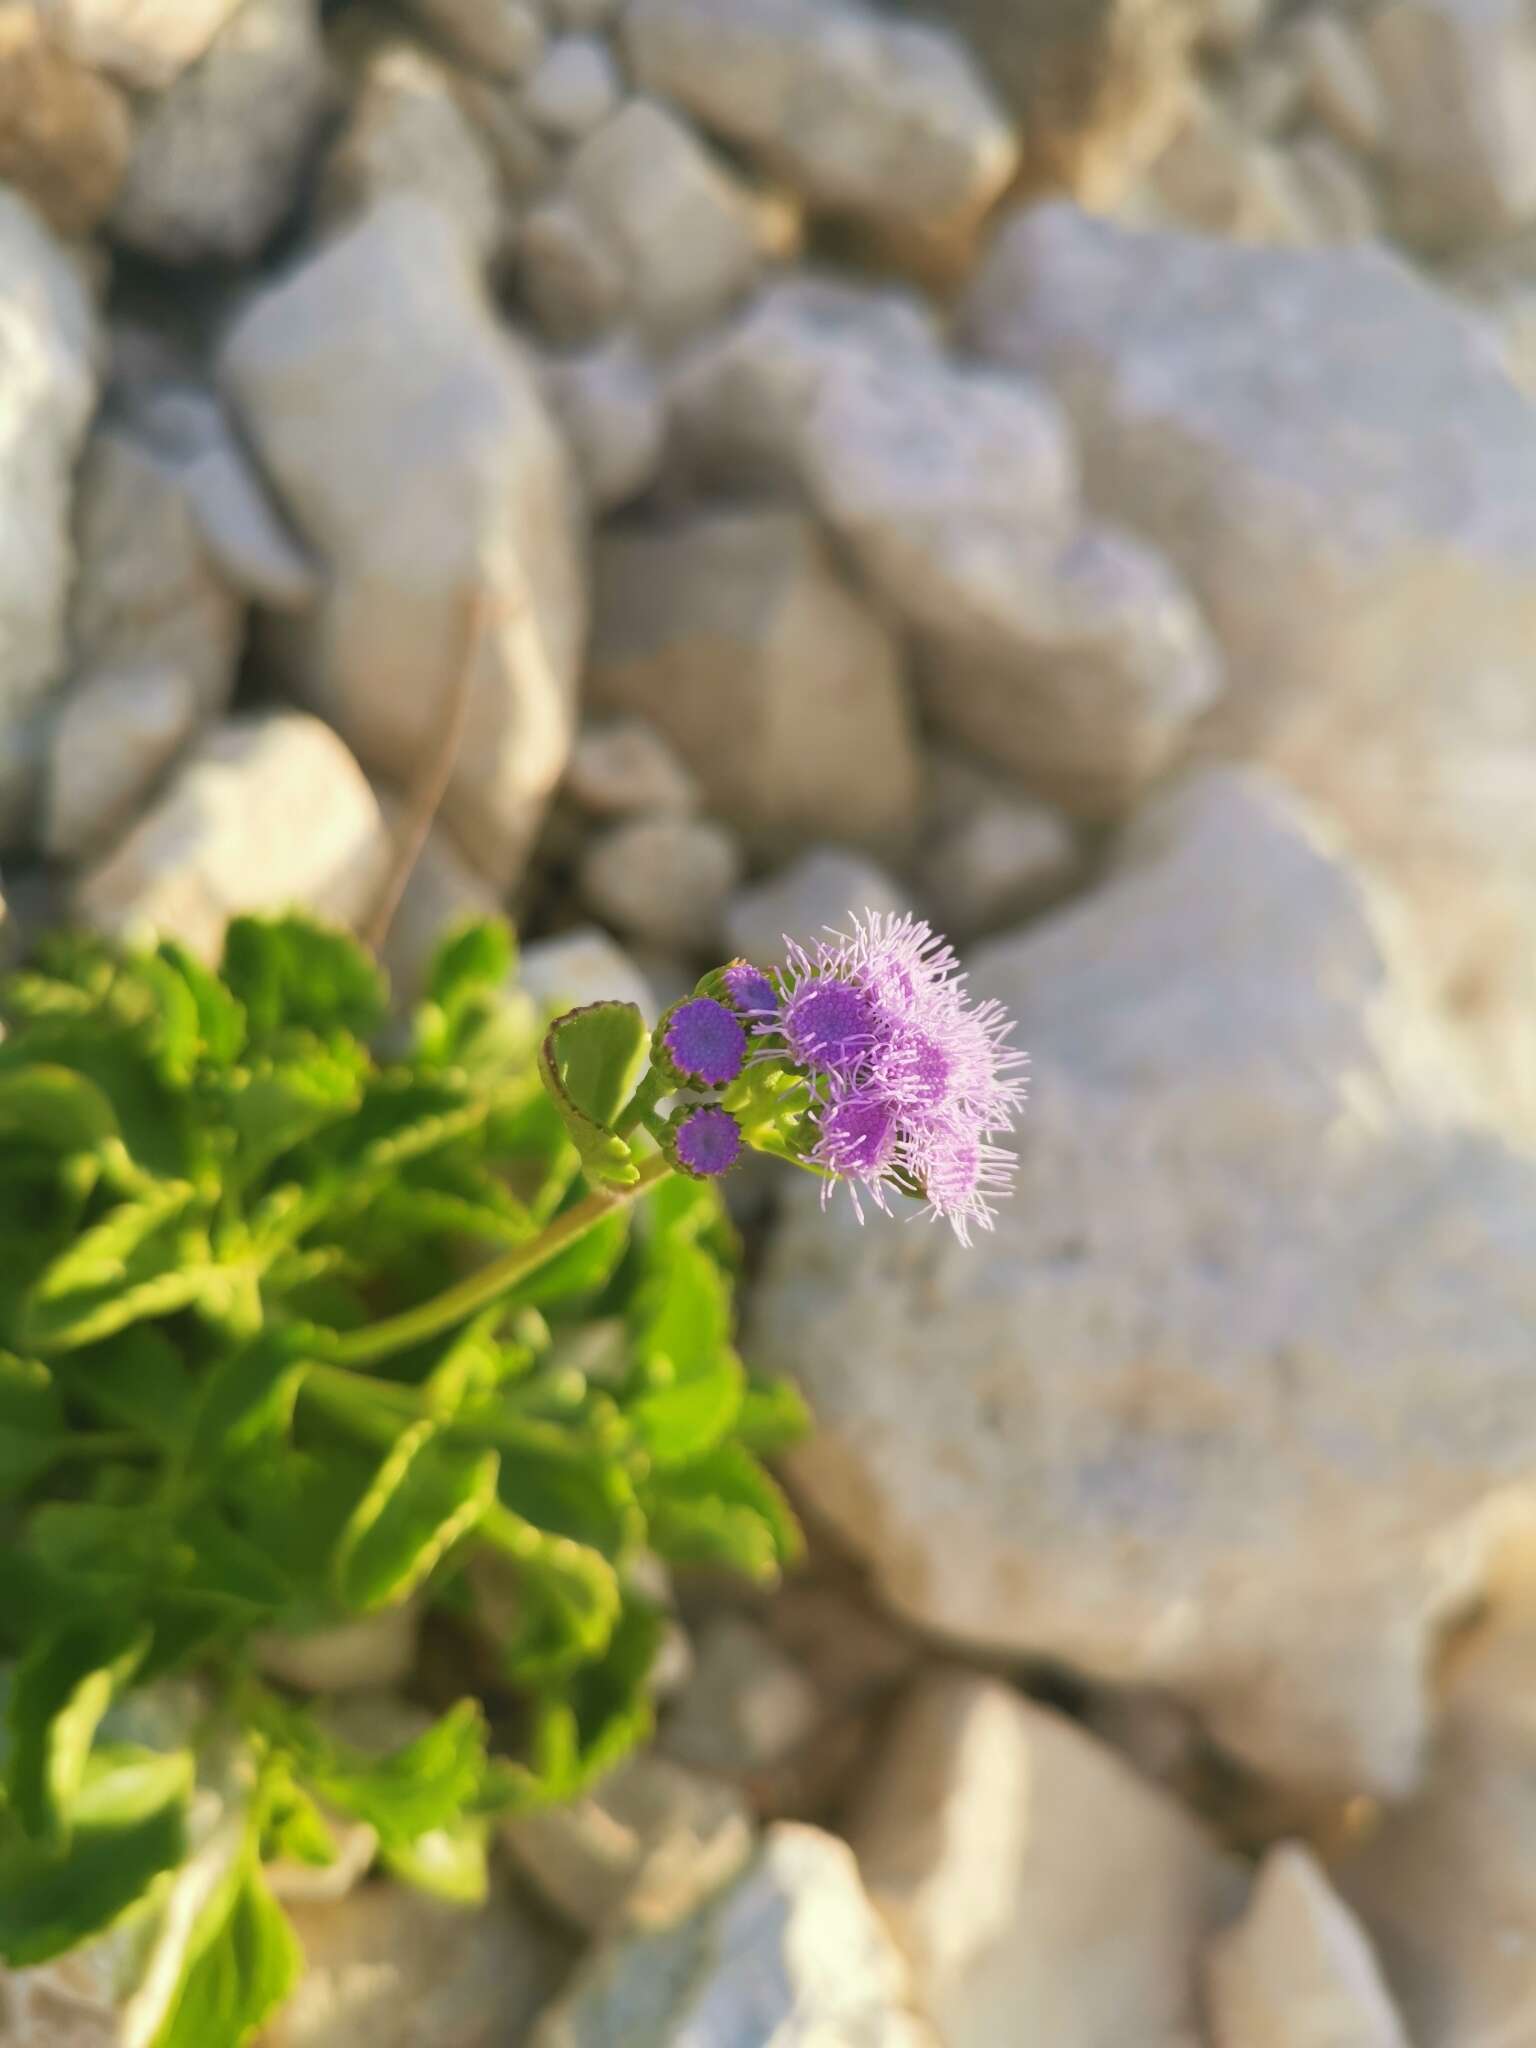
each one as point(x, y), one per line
point(705, 1142)
point(749, 989)
point(705, 1043)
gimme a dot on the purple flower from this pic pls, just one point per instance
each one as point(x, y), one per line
point(702, 1043)
point(748, 989)
point(913, 1080)
point(704, 1142)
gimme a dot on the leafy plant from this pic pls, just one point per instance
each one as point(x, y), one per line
point(304, 1317)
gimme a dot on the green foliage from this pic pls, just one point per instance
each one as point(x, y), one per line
point(216, 1189)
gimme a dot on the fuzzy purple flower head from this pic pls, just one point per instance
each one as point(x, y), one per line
point(912, 1079)
point(704, 1142)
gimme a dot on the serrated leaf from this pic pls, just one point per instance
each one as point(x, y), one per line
point(55, 1107)
point(220, 1016)
point(583, 1729)
point(276, 1105)
point(591, 1060)
point(61, 1689)
point(169, 1268)
point(773, 1417)
point(290, 971)
point(129, 1826)
point(723, 1510)
point(100, 1259)
point(249, 1395)
point(585, 1267)
point(243, 1961)
point(424, 1498)
point(429, 1783)
point(568, 1598)
point(474, 958)
point(690, 1383)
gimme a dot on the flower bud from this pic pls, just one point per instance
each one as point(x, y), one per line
point(703, 1142)
point(699, 1043)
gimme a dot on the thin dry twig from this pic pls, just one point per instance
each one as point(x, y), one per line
point(425, 798)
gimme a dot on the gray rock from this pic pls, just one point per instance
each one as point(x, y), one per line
point(792, 1952)
point(624, 767)
point(1008, 856)
point(217, 158)
point(65, 133)
point(1227, 1398)
point(644, 1849)
point(574, 280)
point(888, 120)
point(1297, 1970)
point(1341, 85)
point(581, 15)
point(742, 398)
point(409, 132)
point(1040, 1890)
point(389, 1967)
point(1217, 178)
point(1359, 526)
point(747, 1706)
point(814, 895)
point(439, 481)
point(1338, 197)
point(779, 686)
point(1446, 1883)
point(610, 405)
point(1459, 78)
point(266, 813)
point(573, 88)
point(662, 880)
point(525, 160)
point(583, 966)
point(503, 37)
point(145, 43)
point(47, 393)
point(116, 733)
point(681, 228)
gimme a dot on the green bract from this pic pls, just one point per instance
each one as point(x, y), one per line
point(219, 1194)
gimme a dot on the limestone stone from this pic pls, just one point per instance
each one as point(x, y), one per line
point(889, 120)
point(115, 734)
point(791, 1953)
point(217, 158)
point(1232, 1401)
point(439, 487)
point(1220, 180)
point(1008, 856)
point(503, 37)
point(1339, 199)
point(1342, 87)
point(1359, 526)
point(663, 880)
point(573, 279)
point(1297, 1971)
point(573, 88)
point(812, 895)
point(144, 43)
point(47, 392)
point(1040, 1889)
point(266, 813)
point(782, 689)
point(65, 133)
point(583, 966)
point(625, 766)
point(747, 1705)
point(610, 406)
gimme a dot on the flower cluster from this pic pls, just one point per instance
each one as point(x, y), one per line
point(900, 1082)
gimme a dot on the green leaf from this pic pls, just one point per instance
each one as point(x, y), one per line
point(429, 1783)
point(773, 1415)
point(475, 958)
point(690, 1382)
point(425, 1497)
point(243, 1961)
point(54, 1107)
point(100, 1261)
point(141, 1262)
point(220, 1017)
point(289, 971)
point(585, 1267)
point(582, 1729)
point(249, 1395)
point(568, 1598)
point(590, 1060)
point(449, 1862)
point(277, 1104)
point(723, 1510)
point(129, 1826)
point(61, 1690)
point(136, 1380)
point(32, 1427)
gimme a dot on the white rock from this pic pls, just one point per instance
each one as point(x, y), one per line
point(408, 132)
point(1041, 1891)
point(681, 228)
point(1342, 87)
point(389, 1967)
point(662, 880)
point(1216, 178)
point(574, 280)
point(642, 1850)
point(218, 156)
point(65, 133)
point(142, 42)
point(747, 1706)
point(626, 766)
point(1446, 1883)
point(742, 398)
point(47, 393)
point(1379, 621)
point(1297, 1971)
point(266, 813)
point(791, 1954)
point(116, 732)
point(147, 590)
point(1339, 198)
point(439, 481)
point(814, 895)
point(583, 966)
point(503, 37)
point(1229, 1401)
point(1009, 856)
point(1459, 77)
point(780, 687)
point(610, 406)
point(573, 88)
point(889, 120)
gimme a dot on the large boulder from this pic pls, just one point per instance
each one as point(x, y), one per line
point(405, 433)
point(1335, 459)
point(1234, 1395)
point(47, 393)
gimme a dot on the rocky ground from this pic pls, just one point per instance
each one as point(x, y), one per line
point(1065, 465)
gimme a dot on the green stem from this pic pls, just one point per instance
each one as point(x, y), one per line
point(488, 1283)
